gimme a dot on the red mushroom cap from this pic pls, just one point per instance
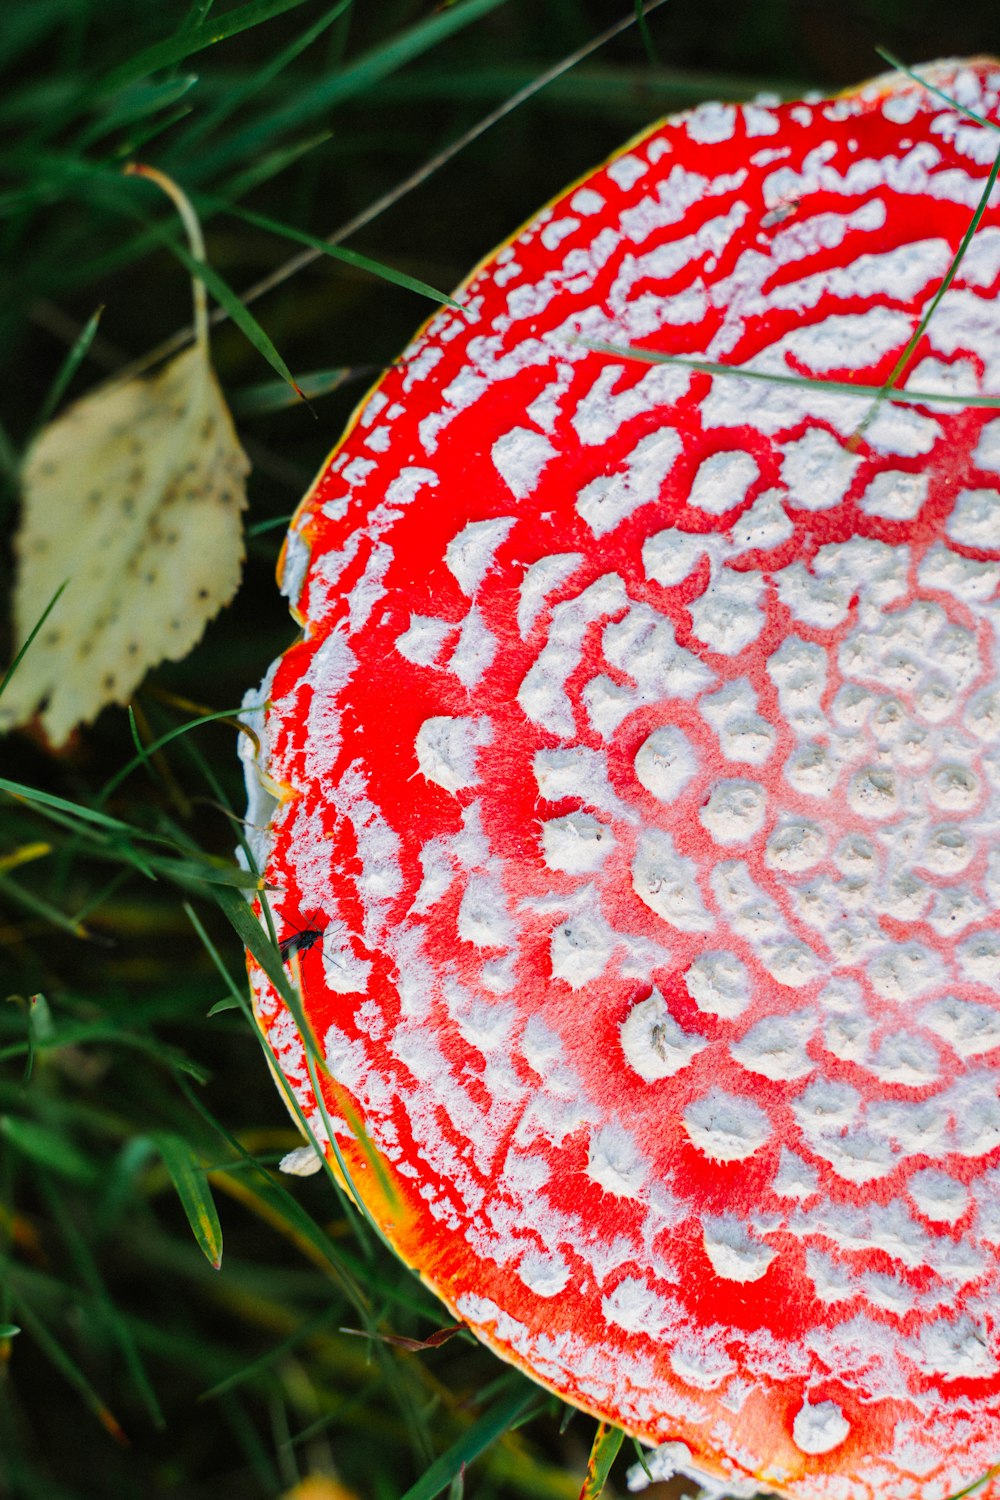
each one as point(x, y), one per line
point(640, 765)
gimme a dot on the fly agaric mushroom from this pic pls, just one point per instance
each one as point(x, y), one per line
point(642, 758)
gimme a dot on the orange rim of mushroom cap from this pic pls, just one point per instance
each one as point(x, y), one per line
point(640, 765)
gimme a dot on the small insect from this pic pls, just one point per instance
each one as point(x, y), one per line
point(298, 941)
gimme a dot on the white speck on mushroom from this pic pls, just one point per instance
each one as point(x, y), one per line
point(726, 1127)
point(735, 811)
point(519, 458)
point(667, 883)
point(577, 844)
point(776, 1046)
point(975, 520)
point(817, 470)
point(819, 1428)
point(665, 763)
point(794, 1178)
point(606, 501)
point(615, 1162)
point(722, 481)
point(653, 1042)
point(744, 734)
point(719, 984)
point(474, 650)
point(734, 1253)
point(728, 615)
point(469, 554)
point(938, 1195)
point(446, 750)
point(895, 495)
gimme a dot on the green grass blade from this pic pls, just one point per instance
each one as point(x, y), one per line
point(71, 364)
point(255, 82)
point(274, 395)
point(402, 188)
point(348, 257)
point(241, 316)
point(899, 369)
point(316, 1324)
point(831, 387)
point(271, 164)
point(54, 1352)
point(358, 76)
point(932, 88)
point(146, 751)
point(48, 1148)
point(18, 894)
point(134, 103)
point(34, 631)
point(481, 1435)
point(188, 1177)
point(607, 1441)
point(76, 810)
point(91, 1278)
point(187, 41)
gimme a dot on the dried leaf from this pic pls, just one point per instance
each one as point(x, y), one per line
point(135, 496)
point(415, 1346)
point(133, 501)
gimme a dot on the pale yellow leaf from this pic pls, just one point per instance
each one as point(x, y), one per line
point(135, 496)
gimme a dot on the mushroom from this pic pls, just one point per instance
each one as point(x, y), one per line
point(640, 766)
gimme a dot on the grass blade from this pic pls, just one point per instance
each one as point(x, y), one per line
point(932, 88)
point(607, 1441)
point(188, 1177)
point(481, 1435)
point(47, 1148)
point(71, 364)
point(34, 631)
point(241, 316)
point(56, 1354)
point(358, 76)
point(899, 369)
point(831, 387)
point(395, 194)
point(348, 257)
point(193, 39)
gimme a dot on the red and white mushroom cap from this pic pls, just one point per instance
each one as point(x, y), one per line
point(641, 766)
